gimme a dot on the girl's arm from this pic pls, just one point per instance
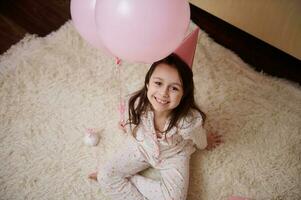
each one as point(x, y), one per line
point(192, 128)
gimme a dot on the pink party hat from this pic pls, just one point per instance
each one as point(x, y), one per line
point(187, 48)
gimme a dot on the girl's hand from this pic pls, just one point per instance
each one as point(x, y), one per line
point(213, 140)
point(121, 126)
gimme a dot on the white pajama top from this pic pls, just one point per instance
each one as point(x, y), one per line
point(188, 132)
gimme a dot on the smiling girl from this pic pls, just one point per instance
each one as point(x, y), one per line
point(166, 125)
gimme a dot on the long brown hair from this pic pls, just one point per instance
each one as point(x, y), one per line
point(138, 103)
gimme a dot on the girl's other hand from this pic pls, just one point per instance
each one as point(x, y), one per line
point(93, 176)
point(213, 140)
point(121, 126)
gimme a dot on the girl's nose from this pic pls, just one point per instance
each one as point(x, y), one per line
point(164, 91)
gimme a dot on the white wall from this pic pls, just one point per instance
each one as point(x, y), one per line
point(277, 22)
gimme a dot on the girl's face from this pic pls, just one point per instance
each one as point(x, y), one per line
point(165, 89)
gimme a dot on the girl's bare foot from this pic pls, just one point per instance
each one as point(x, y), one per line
point(93, 176)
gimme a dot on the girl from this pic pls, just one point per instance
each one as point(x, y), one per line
point(165, 123)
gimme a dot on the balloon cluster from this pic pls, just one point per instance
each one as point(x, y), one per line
point(133, 30)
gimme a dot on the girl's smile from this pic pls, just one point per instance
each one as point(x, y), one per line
point(160, 101)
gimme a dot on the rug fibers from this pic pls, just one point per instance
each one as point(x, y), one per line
point(52, 88)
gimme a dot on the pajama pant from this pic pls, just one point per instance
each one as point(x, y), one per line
point(118, 178)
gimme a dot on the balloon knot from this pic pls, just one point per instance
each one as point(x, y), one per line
point(118, 61)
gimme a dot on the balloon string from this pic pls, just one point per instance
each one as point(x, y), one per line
point(121, 106)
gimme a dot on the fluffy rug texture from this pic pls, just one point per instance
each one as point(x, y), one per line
point(52, 88)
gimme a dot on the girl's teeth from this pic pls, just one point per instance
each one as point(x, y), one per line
point(161, 101)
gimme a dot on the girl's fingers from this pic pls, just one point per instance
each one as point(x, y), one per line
point(215, 140)
point(218, 138)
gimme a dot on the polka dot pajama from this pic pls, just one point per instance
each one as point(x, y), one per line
point(119, 179)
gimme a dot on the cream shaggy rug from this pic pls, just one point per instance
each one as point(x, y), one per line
point(52, 88)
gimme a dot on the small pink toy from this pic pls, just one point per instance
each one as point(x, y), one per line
point(91, 137)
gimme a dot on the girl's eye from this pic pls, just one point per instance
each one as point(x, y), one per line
point(158, 83)
point(174, 89)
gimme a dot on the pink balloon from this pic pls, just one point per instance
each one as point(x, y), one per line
point(83, 17)
point(142, 30)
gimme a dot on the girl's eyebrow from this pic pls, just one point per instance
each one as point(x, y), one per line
point(158, 78)
point(175, 83)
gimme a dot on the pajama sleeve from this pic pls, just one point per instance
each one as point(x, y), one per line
point(191, 127)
